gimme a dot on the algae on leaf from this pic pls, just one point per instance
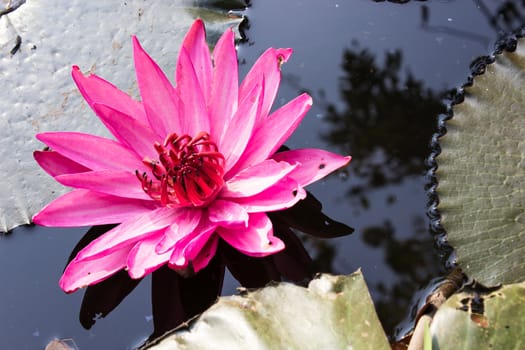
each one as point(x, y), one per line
point(334, 312)
point(481, 173)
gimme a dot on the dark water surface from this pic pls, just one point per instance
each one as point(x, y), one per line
point(378, 72)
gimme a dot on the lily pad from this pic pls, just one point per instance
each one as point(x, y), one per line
point(488, 321)
point(40, 41)
point(481, 173)
point(334, 312)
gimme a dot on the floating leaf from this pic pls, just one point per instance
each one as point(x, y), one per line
point(40, 41)
point(334, 312)
point(482, 171)
point(487, 321)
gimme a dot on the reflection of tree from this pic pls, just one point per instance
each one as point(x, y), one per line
point(507, 17)
point(387, 122)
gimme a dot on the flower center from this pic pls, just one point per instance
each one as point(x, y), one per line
point(188, 171)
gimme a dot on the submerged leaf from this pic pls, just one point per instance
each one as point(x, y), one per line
point(334, 312)
point(472, 321)
point(482, 171)
point(38, 93)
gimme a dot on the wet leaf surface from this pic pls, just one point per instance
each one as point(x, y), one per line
point(481, 172)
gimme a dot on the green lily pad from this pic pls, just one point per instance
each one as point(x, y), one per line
point(40, 41)
point(489, 321)
point(334, 312)
point(481, 173)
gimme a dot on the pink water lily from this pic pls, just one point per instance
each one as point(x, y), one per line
point(190, 164)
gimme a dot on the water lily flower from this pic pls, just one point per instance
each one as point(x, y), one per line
point(190, 164)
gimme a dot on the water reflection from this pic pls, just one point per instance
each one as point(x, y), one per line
point(413, 260)
point(176, 298)
point(386, 118)
point(507, 17)
point(386, 121)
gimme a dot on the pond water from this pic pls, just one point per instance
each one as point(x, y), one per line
point(378, 73)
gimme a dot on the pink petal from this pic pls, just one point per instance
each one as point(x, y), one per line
point(185, 223)
point(194, 110)
point(314, 163)
point(199, 54)
point(240, 129)
point(87, 208)
point(256, 179)
point(91, 151)
point(281, 195)
point(142, 259)
point(56, 164)
point(159, 98)
point(139, 137)
point(267, 67)
point(198, 257)
point(188, 247)
point(113, 182)
point(255, 240)
point(129, 232)
point(81, 273)
point(271, 134)
point(224, 90)
point(97, 90)
point(227, 213)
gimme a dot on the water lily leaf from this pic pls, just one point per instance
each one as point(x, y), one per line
point(334, 312)
point(482, 171)
point(40, 41)
point(489, 321)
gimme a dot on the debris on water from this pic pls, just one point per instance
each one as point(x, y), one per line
point(62, 344)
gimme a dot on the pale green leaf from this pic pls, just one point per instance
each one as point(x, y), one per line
point(486, 321)
point(481, 173)
point(334, 312)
